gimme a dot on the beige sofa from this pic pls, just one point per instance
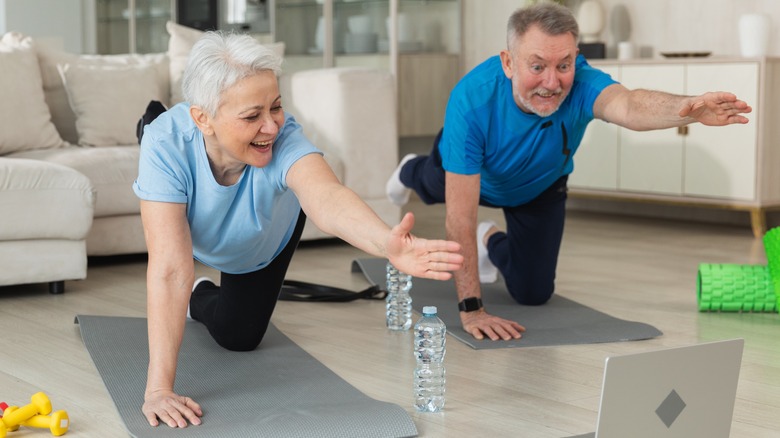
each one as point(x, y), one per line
point(68, 152)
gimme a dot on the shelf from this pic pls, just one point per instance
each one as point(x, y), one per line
point(297, 4)
point(137, 19)
point(424, 58)
point(342, 3)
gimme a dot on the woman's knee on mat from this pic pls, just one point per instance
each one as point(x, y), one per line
point(239, 340)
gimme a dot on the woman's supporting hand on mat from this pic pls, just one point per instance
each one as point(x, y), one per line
point(170, 408)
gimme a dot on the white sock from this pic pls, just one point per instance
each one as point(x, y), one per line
point(396, 191)
point(488, 273)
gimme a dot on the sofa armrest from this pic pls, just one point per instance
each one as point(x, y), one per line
point(349, 113)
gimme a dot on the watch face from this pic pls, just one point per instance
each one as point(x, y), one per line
point(470, 304)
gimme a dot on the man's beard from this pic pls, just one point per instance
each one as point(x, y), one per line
point(527, 104)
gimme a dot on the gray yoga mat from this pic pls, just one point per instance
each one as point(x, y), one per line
point(278, 390)
point(558, 322)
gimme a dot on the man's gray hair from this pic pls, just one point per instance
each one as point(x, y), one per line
point(552, 19)
point(217, 61)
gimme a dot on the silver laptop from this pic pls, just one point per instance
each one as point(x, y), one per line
point(686, 392)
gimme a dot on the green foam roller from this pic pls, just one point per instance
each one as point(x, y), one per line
point(772, 249)
point(735, 288)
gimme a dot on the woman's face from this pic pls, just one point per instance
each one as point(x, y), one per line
point(248, 121)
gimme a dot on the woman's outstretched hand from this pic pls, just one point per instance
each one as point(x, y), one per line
point(423, 258)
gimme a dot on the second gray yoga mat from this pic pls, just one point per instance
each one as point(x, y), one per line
point(558, 322)
point(278, 390)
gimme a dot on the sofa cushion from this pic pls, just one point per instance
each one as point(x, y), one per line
point(54, 88)
point(43, 201)
point(110, 169)
point(180, 43)
point(25, 117)
point(108, 100)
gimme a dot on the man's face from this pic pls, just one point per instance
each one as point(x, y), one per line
point(541, 68)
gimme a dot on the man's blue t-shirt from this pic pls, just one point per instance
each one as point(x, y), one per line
point(518, 155)
point(236, 229)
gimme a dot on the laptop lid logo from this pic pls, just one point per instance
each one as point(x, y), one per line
point(670, 408)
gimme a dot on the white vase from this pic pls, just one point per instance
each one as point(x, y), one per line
point(590, 18)
point(754, 31)
point(319, 34)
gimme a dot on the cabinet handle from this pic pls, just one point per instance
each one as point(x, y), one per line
point(682, 130)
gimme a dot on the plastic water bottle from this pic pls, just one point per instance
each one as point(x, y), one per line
point(429, 348)
point(398, 301)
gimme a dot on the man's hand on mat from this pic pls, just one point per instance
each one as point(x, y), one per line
point(481, 323)
point(172, 409)
point(420, 257)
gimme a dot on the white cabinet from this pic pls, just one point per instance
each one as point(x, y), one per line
point(730, 167)
point(596, 160)
point(419, 41)
point(721, 162)
point(651, 161)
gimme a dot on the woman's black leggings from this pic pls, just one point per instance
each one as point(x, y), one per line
point(238, 311)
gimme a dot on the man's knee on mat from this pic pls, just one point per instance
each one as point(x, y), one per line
point(530, 296)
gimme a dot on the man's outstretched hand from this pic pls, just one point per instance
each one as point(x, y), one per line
point(716, 109)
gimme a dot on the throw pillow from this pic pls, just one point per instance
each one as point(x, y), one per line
point(179, 45)
point(108, 100)
point(25, 116)
point(54, 89)
point(182, 38)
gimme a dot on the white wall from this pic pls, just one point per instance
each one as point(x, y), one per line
point(663, 25)
point(57, 23)
point(484, 28)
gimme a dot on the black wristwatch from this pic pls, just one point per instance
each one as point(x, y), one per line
point(471, 304)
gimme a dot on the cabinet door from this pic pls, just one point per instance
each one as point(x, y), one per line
point(721, 161)
point(424, 85)
point(302, 27)
point(132, 27)
point(596, 161)
point(150, 33)
point(652, 161)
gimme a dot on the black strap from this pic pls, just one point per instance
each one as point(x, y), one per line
point(293, 290)
point(153, 109)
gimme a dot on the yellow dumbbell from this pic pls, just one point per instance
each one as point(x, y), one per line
point(7, 411)
point(57, 422)
point(3, 430)
point(39, 405)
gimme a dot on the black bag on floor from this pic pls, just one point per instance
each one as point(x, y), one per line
point(293, 290)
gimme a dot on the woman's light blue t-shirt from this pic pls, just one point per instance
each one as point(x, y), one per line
point(236, 229)
point(518, 155)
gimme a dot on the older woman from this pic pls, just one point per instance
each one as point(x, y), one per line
point(227, 177)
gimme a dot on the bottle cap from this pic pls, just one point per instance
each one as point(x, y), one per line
point(429, 310)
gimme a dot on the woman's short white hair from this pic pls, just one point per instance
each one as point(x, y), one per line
point(217, 61)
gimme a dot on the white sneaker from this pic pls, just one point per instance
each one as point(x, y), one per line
point(488, 273)
point(194, 286)
point(396, 191)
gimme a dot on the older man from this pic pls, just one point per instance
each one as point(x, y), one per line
point(511, 128)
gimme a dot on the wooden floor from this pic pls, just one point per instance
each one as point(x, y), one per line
point(637, 269)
